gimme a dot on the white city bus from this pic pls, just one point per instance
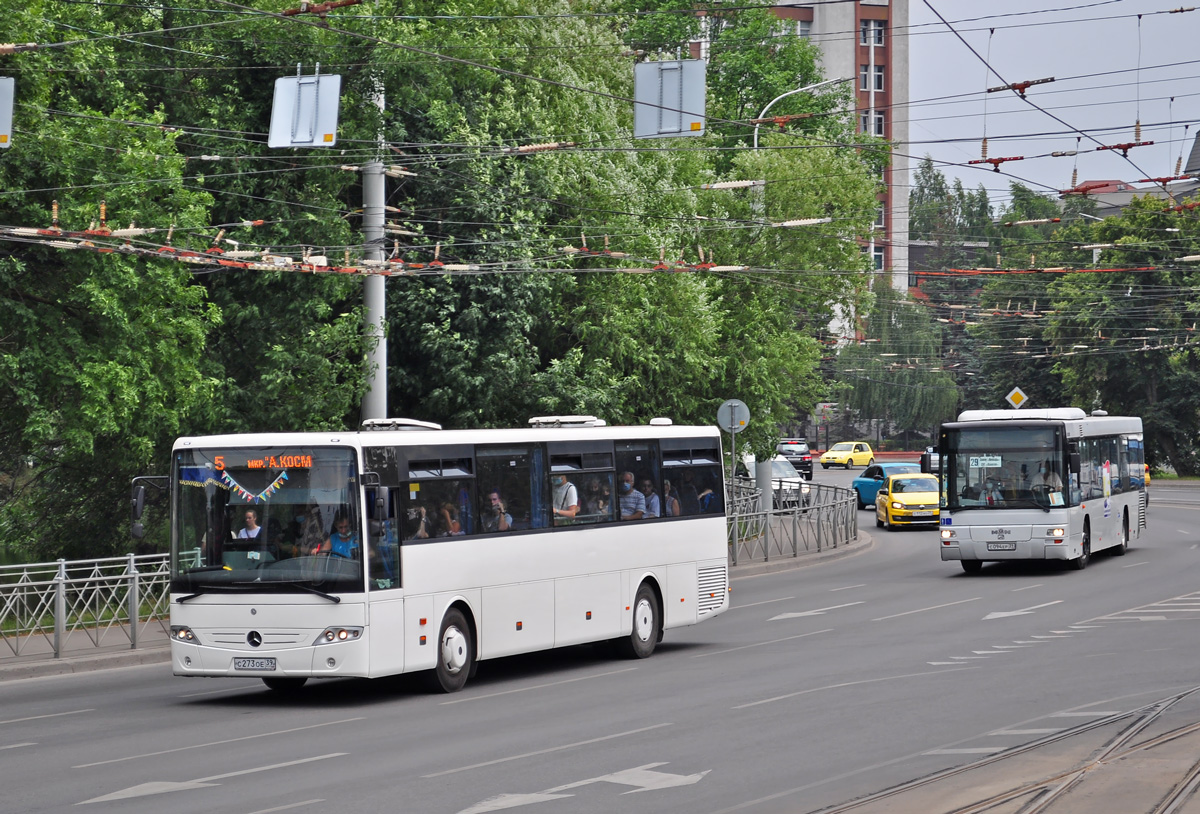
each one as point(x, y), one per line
point(1055, 484)
point(405, 547)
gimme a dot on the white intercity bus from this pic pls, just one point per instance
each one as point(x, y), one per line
point(405, 547)
point(1053, 484)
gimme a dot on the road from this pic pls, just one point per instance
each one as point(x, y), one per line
point(889, 678)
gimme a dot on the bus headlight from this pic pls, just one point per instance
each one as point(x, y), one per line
point(1055, 532)
point(333, 635)
point(948, 537)
point(183, 633)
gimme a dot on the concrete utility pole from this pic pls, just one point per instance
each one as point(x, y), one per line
point(374, 403)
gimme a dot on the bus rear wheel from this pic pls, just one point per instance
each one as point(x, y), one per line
point(647, 625)
point(972, 566)
point(455, 653)
point(284, 685)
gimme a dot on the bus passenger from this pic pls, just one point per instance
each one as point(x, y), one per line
point(592, 497)
point(343, 540)
point(633, 502)
point(495, 518)
point(566, 499)
point(670, 501)
point(653, 503)
point(448, 521)
point(420, 524)
point(252, 528)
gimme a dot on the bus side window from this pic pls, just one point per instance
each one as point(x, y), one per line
point(518, 474)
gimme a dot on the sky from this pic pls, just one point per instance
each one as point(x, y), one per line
point(1110, 68)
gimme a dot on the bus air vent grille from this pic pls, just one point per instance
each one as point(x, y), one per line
point(712, 587)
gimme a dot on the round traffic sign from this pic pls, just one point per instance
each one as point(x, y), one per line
point(733, 416)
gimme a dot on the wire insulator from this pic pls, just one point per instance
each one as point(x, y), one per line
point(1137, 130)
point(983, 149)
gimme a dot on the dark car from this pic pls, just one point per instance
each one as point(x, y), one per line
point(866, 486)
point(798, 454)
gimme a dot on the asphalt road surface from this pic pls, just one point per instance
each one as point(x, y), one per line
point(886, 681)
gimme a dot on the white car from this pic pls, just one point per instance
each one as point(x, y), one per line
point(789, 489)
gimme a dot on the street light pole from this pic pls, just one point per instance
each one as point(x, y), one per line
point(791, 93)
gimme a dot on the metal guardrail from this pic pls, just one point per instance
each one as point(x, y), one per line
point(829, 520)
point(44, 605)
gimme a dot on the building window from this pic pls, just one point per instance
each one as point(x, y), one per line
point(878, 254)
point(804, 28)
point(864, 77)
point(871, 32)
point(878, 77)
point(880, 216)
point(871, 123)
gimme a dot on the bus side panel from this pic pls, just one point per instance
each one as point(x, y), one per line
point(386, 634)
point(680, 596)
point(419, 621)
point(517, 618)
point(587, 609)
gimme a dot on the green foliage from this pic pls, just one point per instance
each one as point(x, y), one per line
point(106, 358)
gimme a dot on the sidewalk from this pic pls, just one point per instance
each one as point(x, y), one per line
point(81, 656)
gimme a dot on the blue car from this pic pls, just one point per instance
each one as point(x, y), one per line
point(866, 485)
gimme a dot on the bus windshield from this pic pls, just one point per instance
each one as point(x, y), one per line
point(1009, 467)
point(269, 519)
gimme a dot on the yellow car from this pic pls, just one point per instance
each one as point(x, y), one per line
point(848, 454)
point(907, 500)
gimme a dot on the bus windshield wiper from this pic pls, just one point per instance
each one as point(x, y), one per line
point(302, 586)
point(204, 589)
point(200, 569)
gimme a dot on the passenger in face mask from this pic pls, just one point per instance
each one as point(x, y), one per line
point(633, 502)
point(1048, 477)
point(566, 499)
point(991, 492)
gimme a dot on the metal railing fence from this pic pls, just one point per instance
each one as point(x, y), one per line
point(829, 520)
point(43, 606)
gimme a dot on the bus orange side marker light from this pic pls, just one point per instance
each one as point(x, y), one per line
point(518, 625)
point(681, 599)
point(423, 621)
point(422, 640)
point(589, 615)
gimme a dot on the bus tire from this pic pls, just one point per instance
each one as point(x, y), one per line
point(1081, 562)
point(972, 566)
point(284, 685)
point(455, 653)
point(647, 625)
point(1123, 545)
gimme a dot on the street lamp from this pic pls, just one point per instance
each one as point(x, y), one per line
point(791, 93)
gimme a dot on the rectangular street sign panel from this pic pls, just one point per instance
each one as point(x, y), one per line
point(305, 111)
point(669, 98)
point(7, 94)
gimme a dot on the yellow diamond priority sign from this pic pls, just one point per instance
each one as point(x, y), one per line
point(1016, 397)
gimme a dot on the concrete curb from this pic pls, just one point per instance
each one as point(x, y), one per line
point(160, 653)
point(155, 654)
point(863, 543)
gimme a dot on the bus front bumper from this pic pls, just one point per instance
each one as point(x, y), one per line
point(337, 659)
point(955, 545)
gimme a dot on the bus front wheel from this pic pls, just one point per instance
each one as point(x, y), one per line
point(1123, 545)
point(455, 654)
point(1080, 562)
point(972, 566)
point(646, 624)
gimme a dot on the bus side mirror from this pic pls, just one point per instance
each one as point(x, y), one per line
point(1073, 462)
point(926, 462)
point(137, 502)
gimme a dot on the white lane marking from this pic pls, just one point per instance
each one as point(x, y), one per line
point(1027, 587)
point(1096, 714)
point(1022, 612)
point(246, 688)
point(989, 652)
point(1136, 564)
point(548, 750)
point(764, 602)
point(164, 786)
point(50, 715)
point(1192, 547)
point(1085, 627)
point(1026, 731)
point(288, 806)
point(537, 686)
point(760, 644)
point(1064, 632)
point(1008, 646)
point(955, 663)
point(218, 743)
point(849, 684)
point(922, 610)
point(1184, 532)
point(817, 612)
point(1161, 609)
point(17, 745)
point(640, 777)
point(968, 658)
point(848, 587)
point(1025, 641)
point(975, 750)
